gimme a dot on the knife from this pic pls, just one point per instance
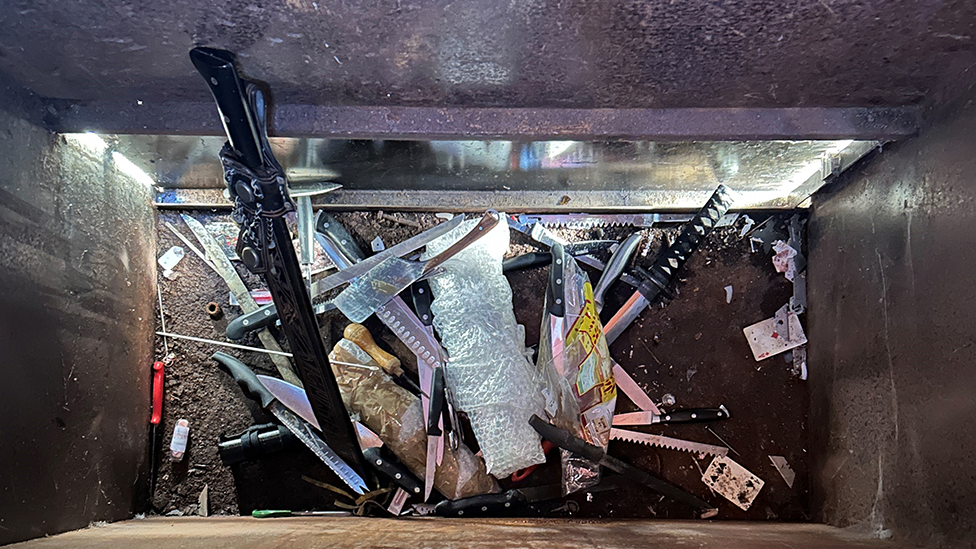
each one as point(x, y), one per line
point(295, 399)
point(556, 305)
point(435, 432)
point(615, 267)
point(567, 441)
point(422, 300)
point(689, 415)
point(252, 388)
point(366, 265)
point(372, 446)
point(264, 316)
point(665, 268)
point(511, 501)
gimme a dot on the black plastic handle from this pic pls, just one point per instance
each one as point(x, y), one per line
point(696, 415)
point(252, 321)
point(483, 505)
point(422, 299)
point(556, 291)
point(255, 442)
point(436, 403)
point(565, 440)
point(394, 470)
point(244, 377)
point(530, 260)
point(327, 226)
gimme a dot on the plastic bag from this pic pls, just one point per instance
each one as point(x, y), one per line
point(492, 380)
point(582, 391)
point(397, 417)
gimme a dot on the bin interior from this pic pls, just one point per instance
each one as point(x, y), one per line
point(106, 131)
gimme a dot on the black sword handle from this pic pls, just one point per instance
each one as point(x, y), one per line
point(255, 442)
point(422, 299)
point(556, 290)
point(394, 470)
point(695, 415)
point(667, 264)
point(252, 321)
point(245, 378)
point(483, 505)
point(526, 261)
point(328, 227)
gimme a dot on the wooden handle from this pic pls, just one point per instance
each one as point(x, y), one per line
point(358, 334)
point(488, 222)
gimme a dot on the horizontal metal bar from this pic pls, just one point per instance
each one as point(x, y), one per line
point(362, 122)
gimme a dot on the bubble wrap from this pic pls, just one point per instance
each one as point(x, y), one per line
point(492, 380)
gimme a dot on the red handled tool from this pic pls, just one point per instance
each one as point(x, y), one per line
point(154, 421)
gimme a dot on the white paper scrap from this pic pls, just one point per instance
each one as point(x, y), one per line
point(775, 335)
point(733, 481)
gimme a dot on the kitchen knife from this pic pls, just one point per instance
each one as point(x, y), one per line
point(615, 267)
point(422, 300)
point(252, 388)
point(513, 501)
point(339, 245)
point(367, 265)
point(666, 266)
point(556, 305)
point(435, 433)
point(689, 415)
point(391, 275)
point(390, 466)
point(567, 441)
point(264, 316)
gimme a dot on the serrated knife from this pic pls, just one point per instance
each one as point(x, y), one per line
point(667, 442)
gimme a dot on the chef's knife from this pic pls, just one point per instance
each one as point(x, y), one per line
point(689, 415)
point(615, 267)
point(556, 305)
point(295, 399)
point(567, 441)
point(395, 252)
point(512, 501)
point(390, 466)
point(264, 316)
point(339, 245)
point(392, 275)
point(253, 389)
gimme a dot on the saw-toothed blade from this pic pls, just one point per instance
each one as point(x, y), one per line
point(589, 221)
point(668, 442)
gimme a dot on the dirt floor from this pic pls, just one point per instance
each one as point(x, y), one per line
point(691, 347)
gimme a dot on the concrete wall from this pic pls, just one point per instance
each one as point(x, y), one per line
point(892, 327)
point(77, 290)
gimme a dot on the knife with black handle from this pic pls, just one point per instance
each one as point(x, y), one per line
point(615, 267)
point(255, 320)
point(556, 291)
point(394, 470)
point(482, 505)
point(329, 230)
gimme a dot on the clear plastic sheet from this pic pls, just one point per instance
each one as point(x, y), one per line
point(397, 417)
point(582, 392)
point(493, 381)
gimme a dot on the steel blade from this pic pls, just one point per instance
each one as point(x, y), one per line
point(367, 438)
point(627, 314)
point(345, 275)
point(292, 396)
point(375, 288)
point(633, 391)
point(303, 432)
point(636, 418)
point(667, 442)
point(431, 467)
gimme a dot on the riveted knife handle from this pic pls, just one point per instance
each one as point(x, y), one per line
point(436, 403)
point(556, 291)
point(483, 505)
point(422, 299)
point(329, 228)
point(695, 415)
point(244, 377)
point(394, 470)
point(487, 223)
point(565, 440)
point(255, 320)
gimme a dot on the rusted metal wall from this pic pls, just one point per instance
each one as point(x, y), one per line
point(891, 330)
point(77, 290)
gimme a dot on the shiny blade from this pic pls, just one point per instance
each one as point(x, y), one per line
point(627, 314)
point(345, 275)
point(303, 432)
point(367, 438)
point(633, 391)
point(374, 289)
point(431, 468)
point(667, 442)
point(292, 396)
point(636, 418)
